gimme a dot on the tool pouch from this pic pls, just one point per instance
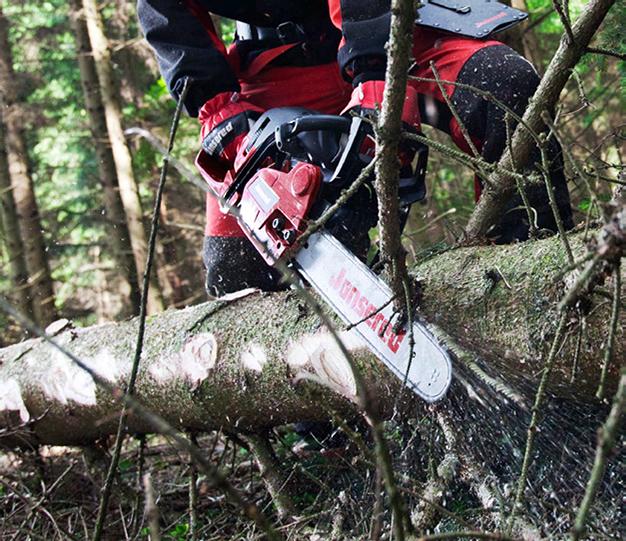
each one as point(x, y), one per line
point(471, 18)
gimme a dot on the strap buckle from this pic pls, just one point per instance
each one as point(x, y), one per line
point(290, 32)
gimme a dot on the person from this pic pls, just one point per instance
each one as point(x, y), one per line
point(329, 56)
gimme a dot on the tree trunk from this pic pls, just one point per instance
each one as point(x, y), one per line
point(31, 231)
point(241, 364)
point(121, 154)
point(130, 69)
point(119, 236)
point(11, 235)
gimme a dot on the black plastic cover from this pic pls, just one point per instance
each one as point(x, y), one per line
point(471, 18)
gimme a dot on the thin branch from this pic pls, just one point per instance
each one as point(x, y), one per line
point(343, 198)
point(193, 495)
point(534, 421)
point(530, 211)
point(152, 511)
point(466, 534)
point(545, 170)
point(607, 435)
point(607, 52)
point(154, 228)
point(454, 112)
point(561, 9)
point(272, 473)
point(388, 136)
point(610, 342)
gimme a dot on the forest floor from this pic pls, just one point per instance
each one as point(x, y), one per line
point(54, 493)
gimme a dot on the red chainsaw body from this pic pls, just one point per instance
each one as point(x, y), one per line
point(275, 205)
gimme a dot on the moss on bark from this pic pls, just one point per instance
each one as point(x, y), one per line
point(234, 364)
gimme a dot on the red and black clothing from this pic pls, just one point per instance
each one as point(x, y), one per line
point(344, 44)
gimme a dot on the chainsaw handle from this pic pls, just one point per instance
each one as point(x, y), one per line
point(311, 123)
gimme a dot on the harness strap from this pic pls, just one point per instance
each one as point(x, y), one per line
point(264, 59)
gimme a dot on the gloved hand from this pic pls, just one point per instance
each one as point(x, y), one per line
point(367, 98)
point(226, 119)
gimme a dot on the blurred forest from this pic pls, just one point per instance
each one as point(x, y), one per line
point(73, 240)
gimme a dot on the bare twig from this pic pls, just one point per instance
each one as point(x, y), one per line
point(152, 511)
point(610, 341)
point(388, 134)
point(465, 534)
point(346, 194)
point(606, 440)
point(39, 508)
point(530, 211)
point(272, 473)
point(561, 9)
point(534, 421)
point(193, 495)
point(607, 52)
point(154, 228)
point(545, 170)
point(454, 112)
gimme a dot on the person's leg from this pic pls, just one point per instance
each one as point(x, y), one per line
point(512, 80)
point(230, 260)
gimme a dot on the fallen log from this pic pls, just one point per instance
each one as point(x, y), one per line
point(256, 361)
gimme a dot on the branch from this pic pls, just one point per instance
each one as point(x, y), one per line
point(501, 186)
point(606, 440)
point(388, 135)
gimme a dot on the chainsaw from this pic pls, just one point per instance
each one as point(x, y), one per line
point(292, 167)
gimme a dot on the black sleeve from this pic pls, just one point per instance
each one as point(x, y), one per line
point(365, 26)
point(186, 48)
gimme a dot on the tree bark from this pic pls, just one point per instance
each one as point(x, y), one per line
point(501, 186)
point(248, 363)
point(387, 141)
point(119, 236)
point(11, 235)
point(31, 231)
point(121, 154)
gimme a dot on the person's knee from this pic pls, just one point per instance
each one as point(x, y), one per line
point(505, 74)
point(232, 264)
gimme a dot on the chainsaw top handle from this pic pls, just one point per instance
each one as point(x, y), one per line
point(290, 129)
point(274, 131)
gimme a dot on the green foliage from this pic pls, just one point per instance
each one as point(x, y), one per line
point(179, 532)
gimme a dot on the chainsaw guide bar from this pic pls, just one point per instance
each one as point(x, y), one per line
point(354, 292)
